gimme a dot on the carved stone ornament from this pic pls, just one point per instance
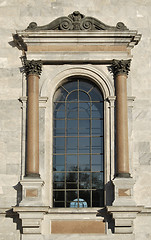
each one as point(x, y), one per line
point(76, 21)
point(120, 67)
point(32, 67)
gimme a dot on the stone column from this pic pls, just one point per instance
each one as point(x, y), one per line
point(120, 70)
point(33, 71)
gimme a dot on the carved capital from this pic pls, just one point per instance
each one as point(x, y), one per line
point(120, 67)
point(32, 67)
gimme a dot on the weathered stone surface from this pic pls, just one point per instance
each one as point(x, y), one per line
point(16, 15)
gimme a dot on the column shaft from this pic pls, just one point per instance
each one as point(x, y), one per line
point(33, 71)
point(120, 68)
point(32, 165)
point(122, 151)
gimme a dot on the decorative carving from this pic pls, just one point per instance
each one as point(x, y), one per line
point(120, 67)
point(32, 67)
point(76, 21)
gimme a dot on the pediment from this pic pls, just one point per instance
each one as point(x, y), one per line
point(76, 21)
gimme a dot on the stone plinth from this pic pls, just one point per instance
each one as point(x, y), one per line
point(31, 192)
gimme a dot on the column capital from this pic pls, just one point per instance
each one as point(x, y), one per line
point(120, 67)
point(32, 67)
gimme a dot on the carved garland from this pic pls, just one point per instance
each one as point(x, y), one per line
point(76, 21)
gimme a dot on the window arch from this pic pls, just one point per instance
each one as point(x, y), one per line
point(78, 144)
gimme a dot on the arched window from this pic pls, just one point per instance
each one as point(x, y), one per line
point(78, 139)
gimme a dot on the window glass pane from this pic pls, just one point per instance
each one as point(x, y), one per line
point(84, 195)
point(71, 163)
point(78, 176)
point(98, 198)
point(84, 110)
point(58, 185)
point(71, 195)
point(84, 127)
point(60, 95)
point(58, 177)
point(71, 177)
point(97, 110)
point(58, 196)
point(83, 96)
point(71, 85)
point(85, 85)
point(97, 180)
point(60, 123)
point(97, 144)
point(84, 144)
point(72, 110)
point(71, 144)
point(59, 114)
point(59, 204)
point(71, 185)
point(96, 95)
point(59, 163)
point(97, 162)
point(84, 181)
point(84, 162)
point(59, 144)
point(73, 96)
point(97, 127)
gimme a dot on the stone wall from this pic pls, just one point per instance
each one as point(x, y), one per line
point(16, 15)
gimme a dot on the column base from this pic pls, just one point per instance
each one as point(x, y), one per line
point(31, 191)
point(123, 191)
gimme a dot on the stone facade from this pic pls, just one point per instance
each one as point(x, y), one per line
point(38, 216)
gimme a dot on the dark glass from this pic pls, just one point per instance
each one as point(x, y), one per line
point(60, 95)
point(98, 198)
point(97, 144)
point(58, 177)
point(58, 185)
point(84, 162)
point(85, 85)
point(79, 130)
point(59, 196)
point(97, 127)
point(71, 163)
point(85, 195)
point(59, 144)
point(84, 110)
point(71, 85)
point(83, 96)
point(71, 177)
point(71, 195)
point(71, 186)
point(59, 124)
point(72, 127)
point(84, 145)
point(71, 144)
point(72, 110)
point(96, 95)
point(59, 204)
point(59, 163)
point(73, 96)
point(97, 180)
point(84, 181)
point(97, 110)
point(97, 163)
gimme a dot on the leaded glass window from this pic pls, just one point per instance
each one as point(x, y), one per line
point(78, 139)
